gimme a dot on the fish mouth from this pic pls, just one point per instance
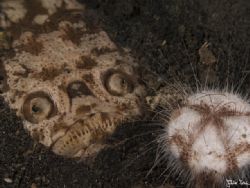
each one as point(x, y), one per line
point(84, 137)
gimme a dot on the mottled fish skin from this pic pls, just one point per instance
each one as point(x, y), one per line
point(70, 84)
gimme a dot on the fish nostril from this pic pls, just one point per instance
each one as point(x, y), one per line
point(78, 88)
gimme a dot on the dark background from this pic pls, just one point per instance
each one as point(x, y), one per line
point(165, 36)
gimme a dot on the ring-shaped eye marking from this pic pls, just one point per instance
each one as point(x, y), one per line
point(38, 106)
point(118, 83)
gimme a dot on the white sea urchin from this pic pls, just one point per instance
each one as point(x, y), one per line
point(207, 140)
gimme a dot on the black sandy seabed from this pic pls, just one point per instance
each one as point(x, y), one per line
point(165, 35)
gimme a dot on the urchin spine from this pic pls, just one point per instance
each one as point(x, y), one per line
point(208, 138)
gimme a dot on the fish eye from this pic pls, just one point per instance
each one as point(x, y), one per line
point(119, 84)
point(37, 107)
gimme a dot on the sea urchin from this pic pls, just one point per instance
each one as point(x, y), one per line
point(207, 140)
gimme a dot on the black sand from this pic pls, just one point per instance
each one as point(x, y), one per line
point(165, 35)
